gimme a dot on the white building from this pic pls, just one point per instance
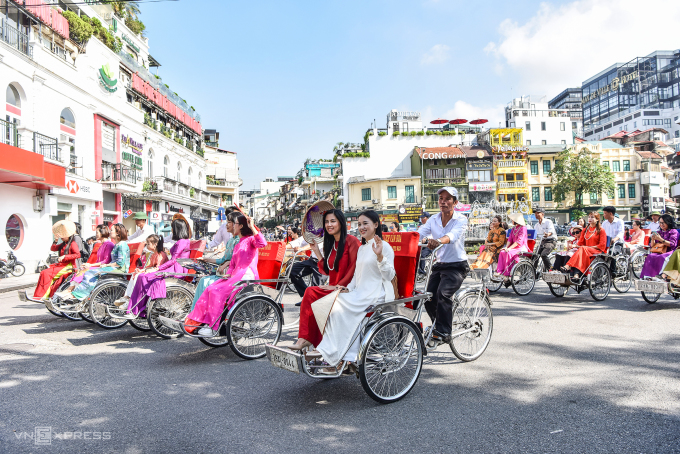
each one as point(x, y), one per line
point(86, 130)
point(541, 125)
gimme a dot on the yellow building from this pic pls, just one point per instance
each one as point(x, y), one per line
point(384, 195)
point(510, 163)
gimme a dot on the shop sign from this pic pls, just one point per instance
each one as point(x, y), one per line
point(658, 204)
point(80, 188)
point(462, 207)
point(109, 217)
point(479, 165)
point(487, 186)
point(614, 86)
point(106, 78)
point(94, 213)
point(131, 143)
point(133, 161)
point(509, 149)
point(410, 213)
point(155, 217)
point(389, 218)
point(177, 208)
point(130, 43)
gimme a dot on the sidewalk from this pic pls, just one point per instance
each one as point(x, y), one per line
point(17, 283)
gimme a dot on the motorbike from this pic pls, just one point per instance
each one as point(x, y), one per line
point(12, 266)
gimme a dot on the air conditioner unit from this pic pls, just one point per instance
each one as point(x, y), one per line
point(375, 201)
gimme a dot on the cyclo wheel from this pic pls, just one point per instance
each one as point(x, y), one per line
point(623, 279)
point(473, 312)
point(600, 281)
point(103, 296)
point(59, 289)
point(492, 285)
point(391, 360)
point(557, 290)
point(179, 295)
point(523, 277)
point(637, 261)
point(140, 324)
point(255, 322)
point(651, 298)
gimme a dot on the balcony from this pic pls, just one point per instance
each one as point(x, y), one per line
point(15, 38)
point(42, 144)
point(511, 166)
point(212, 144)
point(46, 146)
point(118, 178)
point(183, 193)
point(512, 184)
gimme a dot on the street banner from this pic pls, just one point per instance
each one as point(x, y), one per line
point(410, 213)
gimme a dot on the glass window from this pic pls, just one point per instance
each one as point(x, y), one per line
point(528, 142)
point(564, 142)
point(13, 96)
point(626, 166)
point(14, 232)
point(543, 142)
point(562, 126)
point(548, 194)
point(66, 118)
point(543, 126)
point(534, 167)
point(528, 126)
point(546, 167)
point(593, 197)
point(391, 192)
point(410, 194)
point(190, 173)
point(166, 162)
point(622, 191)
point(616, 166)
point(631, 190)
point(535, 194)
point(179, 171)
point(366, 194)
point(605, 163)
point(149, 165)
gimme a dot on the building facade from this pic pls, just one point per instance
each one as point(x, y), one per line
point(509, 162)
point(438, 167)
point(541, 124)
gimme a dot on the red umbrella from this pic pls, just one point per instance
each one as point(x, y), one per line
point(481, 121)
point(438, 121)
point(458, 121)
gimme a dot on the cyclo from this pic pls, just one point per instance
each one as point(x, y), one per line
point(596, 278)
point(392, 340)
point(524, 273)
point(256, 318)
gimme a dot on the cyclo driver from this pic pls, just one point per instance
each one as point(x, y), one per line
point(615, 230)
point(448, 228)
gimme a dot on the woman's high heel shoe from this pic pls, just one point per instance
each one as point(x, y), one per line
point(300, 345)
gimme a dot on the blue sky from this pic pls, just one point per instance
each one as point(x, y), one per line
point(283, 81)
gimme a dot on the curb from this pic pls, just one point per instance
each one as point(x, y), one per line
point(17, 287)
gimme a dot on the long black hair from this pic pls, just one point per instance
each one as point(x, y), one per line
point(373, 216)
point(180, 230)
point(245, 228)
point(329, 240)
point(668, 219)
point(158, 239)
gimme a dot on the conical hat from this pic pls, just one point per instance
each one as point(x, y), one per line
point(64, 229)
point(312, 223)
point(322, 309)
point(517, 218)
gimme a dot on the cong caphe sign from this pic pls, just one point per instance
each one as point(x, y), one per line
point(410, 213)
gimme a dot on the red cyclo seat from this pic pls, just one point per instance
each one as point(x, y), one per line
point(196, 249)
point(93, 253)
point(136, 251)
point(530, 245)
point(647, 233)
point(269, 260)
point(406, 258)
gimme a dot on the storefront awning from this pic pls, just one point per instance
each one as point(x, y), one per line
point(21, 167)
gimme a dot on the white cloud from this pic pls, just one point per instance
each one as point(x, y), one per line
point(439, 53)
point(560, 47)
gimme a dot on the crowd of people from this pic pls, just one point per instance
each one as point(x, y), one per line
point(360, 272)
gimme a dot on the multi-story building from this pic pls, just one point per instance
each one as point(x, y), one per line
point(318, 178)
point(479, 175)
point(222, 174)
point(438, 167)
point(541, 124)
point(509, 162)
point(109, 135)
point(641, 93)
point(571, 100)
point(384, 195)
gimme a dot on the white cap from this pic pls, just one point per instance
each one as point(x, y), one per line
point(450, 190)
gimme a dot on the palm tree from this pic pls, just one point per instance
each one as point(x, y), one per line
point(124, 8)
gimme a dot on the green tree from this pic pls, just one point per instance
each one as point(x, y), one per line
point(124, 9)
point(580, 173)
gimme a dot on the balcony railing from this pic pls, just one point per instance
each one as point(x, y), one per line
point(9, 134)
point(46, 146)
point(212, 144)
point(75, 166)
point(15, 38)
point(176, 187)
point(118, 172)
point(512, 184)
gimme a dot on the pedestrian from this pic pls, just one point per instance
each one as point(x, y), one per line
point(143, 228)
point(394, 227)
point(545, 231)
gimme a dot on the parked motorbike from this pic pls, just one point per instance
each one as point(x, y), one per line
point(12, 266)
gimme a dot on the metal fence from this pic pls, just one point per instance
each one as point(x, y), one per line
point(118, 172)
point(9, 134)
point(15, 38)
point(46, 146)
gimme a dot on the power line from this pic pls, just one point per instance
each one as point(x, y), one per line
point(100, 2)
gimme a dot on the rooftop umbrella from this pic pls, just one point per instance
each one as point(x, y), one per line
point(481, 121)
point(458, 121)
point(438, 121)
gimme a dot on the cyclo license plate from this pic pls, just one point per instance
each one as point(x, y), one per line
point(554, 278)
point(650, 286)
point(283, 358)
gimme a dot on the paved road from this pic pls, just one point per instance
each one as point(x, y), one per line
point(560, 375)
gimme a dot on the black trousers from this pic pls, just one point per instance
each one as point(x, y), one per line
point(445, 280)
point(302, 269)
point(543, 251)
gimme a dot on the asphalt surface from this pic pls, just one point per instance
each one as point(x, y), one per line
point(560, 375)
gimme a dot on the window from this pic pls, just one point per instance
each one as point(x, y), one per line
point(66, 118)
point(543, 142)
point(626, 166)
point(366, 194)
point(391, 192)
point(191, 171)
point(677, 133)
point(528, 142)
point(534, 167)
point(631, 190)
point(166, 163)
point(435, 162)
point(14, 232)
point(546, 167)
point(606, 164)
point(593, 198)
point(616, 166)
point(564, 142)
point(622, 191)
point(149, 165)
point(574, 125)
point(562, 126)
point(179, 171)
point(535, 194)
point(13, 98)
point(200, 180)
point(548, 194)
point(410, 194)
point(448, 161)
point(543, 126)
point(528, 126)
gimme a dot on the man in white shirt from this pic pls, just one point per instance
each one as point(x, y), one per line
point(221, 236)
point(654, 224)
point(615, 230)
point(546, 236)
point(305, 267)
point(143, 228)
point(448, 228)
